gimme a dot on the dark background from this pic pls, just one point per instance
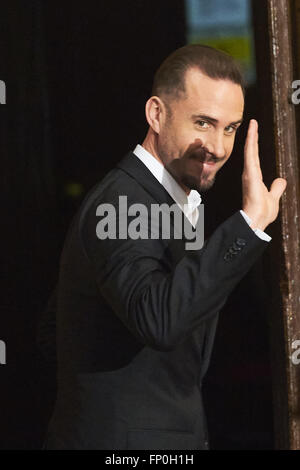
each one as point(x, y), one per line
point(78, 75)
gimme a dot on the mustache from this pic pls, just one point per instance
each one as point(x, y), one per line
point(204, 156)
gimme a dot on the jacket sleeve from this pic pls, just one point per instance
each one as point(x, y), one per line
point(161, 306)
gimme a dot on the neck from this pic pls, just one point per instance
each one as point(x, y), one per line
point(150, 144)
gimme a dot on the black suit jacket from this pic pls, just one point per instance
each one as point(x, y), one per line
point(136, 321)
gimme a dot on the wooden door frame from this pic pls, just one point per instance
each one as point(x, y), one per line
point(282, 62)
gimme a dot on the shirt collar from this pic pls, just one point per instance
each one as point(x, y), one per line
point(166, 179)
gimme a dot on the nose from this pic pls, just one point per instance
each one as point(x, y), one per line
point(215, 144)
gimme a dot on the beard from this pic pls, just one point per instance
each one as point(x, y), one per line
point(191, 182)
point(185, 168)
point(189, 174)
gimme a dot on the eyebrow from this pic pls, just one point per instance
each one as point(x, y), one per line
point(213, 120)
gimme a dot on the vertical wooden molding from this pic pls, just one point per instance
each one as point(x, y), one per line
point(288, 168)
point(296, 15)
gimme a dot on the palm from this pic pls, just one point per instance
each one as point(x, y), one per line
point(260, 204)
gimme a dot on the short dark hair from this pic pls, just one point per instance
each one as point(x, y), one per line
point(169, 79)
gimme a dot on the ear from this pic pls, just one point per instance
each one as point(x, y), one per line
point(155, 112)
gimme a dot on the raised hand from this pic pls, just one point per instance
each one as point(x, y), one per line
point(260, 204)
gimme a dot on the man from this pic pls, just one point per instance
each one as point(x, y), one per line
point(136, 317)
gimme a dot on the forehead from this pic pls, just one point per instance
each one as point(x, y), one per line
point(216, 97)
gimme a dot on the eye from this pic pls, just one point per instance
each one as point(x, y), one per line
point(202, 124)
point(230, 130)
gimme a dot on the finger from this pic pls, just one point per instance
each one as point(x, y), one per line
point(198, 143)
point(278, 187)
point(251, 139)
point(251, 153)
point(194, 145)
point(195, 149)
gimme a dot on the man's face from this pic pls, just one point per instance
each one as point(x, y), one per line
point(196, 141)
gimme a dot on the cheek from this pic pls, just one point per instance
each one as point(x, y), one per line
point(180, 144)
point(228, 148)
point(182, 135)
point(186, 140)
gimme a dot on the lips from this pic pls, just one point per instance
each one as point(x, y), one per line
point(202, 159)
point(207, 167)
point(205, 162)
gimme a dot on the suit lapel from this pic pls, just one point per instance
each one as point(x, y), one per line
point(133, 166)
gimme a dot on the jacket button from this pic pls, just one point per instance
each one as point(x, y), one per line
point(240, 241)
point(236, 246)
point(227, 256)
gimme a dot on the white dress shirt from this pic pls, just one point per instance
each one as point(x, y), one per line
point(187, 203)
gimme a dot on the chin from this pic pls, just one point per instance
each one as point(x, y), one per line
point(201, 186)
point(205, 185)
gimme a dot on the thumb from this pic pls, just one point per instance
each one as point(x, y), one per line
point(277, 187)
